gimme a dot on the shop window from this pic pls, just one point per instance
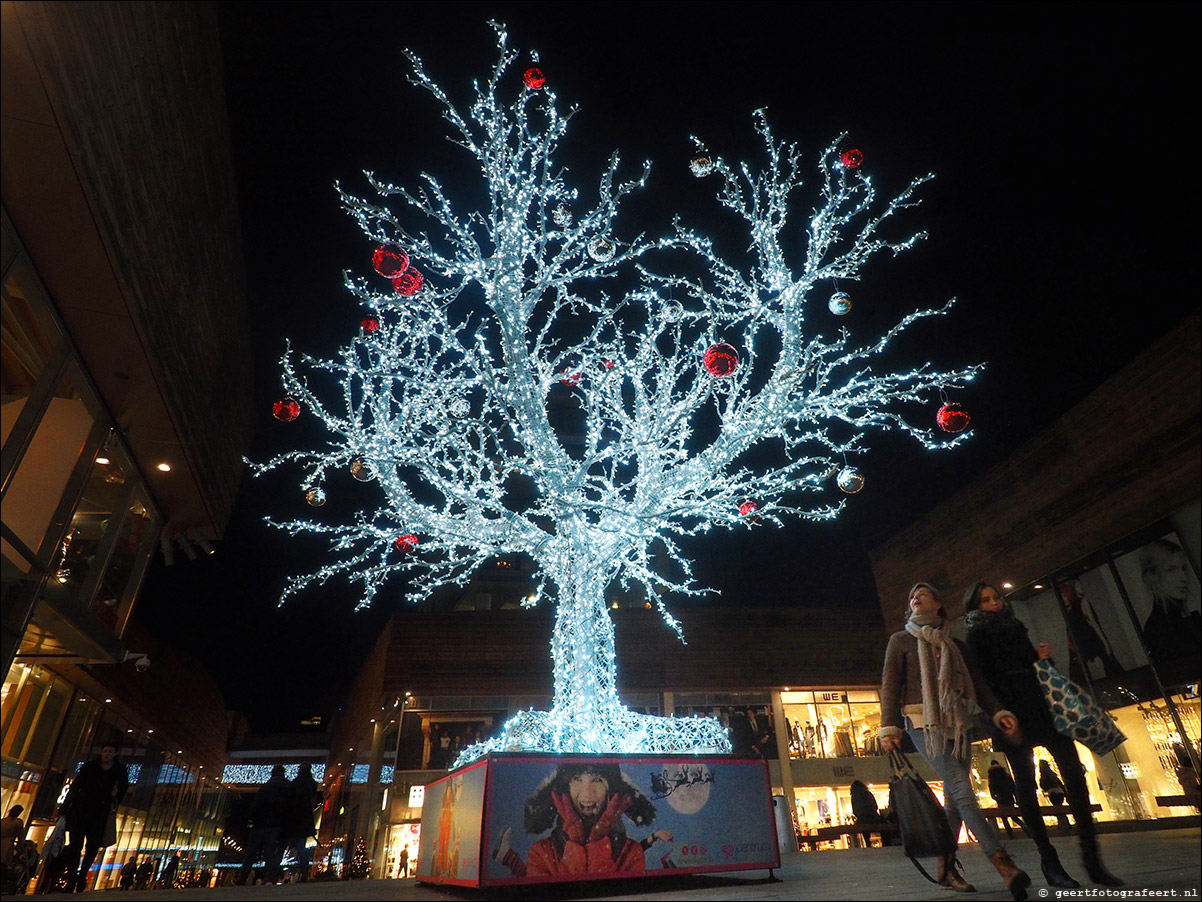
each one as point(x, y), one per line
point(30, 339)
point(40, 480)
point(50, 718)
point(832, 723)
point(99, 519)
point(131, 551)
point(22, 709)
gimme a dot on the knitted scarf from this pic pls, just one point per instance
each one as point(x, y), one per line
point(949, 701)
point(993, 621)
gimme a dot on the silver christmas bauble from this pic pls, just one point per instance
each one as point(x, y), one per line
point(601, 249)
point(701, 166)
point(459, 407)
point(362, 470)
point(673, 311)
point(315, 497)
point(561, 216)
point(849, 480)
point(839, 303)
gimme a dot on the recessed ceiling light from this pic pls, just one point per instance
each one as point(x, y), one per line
point(103, 459)
point(166, 468)
point(1007, 585)
point(1038, 586)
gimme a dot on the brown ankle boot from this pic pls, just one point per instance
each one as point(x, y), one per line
point(1015, 877)
point(948, 874)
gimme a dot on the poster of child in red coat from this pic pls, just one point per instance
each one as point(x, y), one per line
point(554, 819)
point(584, 805)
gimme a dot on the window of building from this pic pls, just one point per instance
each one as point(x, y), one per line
point(832, 723)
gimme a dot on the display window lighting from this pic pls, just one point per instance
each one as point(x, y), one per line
point(164, 467)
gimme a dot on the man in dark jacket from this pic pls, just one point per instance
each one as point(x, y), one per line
point(95, 792)
point(267, 813)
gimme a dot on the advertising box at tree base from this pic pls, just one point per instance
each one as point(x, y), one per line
point(537, 818)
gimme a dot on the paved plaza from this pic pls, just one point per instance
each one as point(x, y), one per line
point(1155, 864)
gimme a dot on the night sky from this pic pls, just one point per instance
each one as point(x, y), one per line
point(1064, 217)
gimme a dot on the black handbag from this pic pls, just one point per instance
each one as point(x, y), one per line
point(921, 819)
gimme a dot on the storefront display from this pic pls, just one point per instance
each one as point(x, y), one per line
point(832, 723)
point(403, 843)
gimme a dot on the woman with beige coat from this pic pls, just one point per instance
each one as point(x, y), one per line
point(931, 691)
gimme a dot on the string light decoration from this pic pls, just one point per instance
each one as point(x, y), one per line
point(518, 300)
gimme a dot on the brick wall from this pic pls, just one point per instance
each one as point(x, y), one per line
point(736, 649)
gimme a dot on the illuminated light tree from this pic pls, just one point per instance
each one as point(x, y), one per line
point(699, 387)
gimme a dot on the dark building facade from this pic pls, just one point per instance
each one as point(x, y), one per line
point(437, 681)
point(1092, 528)
point(126, 402)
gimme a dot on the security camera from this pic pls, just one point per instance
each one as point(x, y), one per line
point(143, 664)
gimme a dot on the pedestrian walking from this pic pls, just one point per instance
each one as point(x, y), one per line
point(95, 793)
point(129, 872)
point(299, 826)
point(1002, 647)
point(267, 813)
point(1001, 790)
point(170, 871)
point(1053, 788)
point(144, 874)
point(930, 691)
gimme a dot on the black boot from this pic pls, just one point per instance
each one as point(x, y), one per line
point(1053, 872)
point(1093, 864)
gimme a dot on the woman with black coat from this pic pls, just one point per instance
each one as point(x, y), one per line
point(1007, 659)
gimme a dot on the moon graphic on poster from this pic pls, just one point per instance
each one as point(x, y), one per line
point(689, 786)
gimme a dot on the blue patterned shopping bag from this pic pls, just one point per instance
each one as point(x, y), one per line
point(1075, 713)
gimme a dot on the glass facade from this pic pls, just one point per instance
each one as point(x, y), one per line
point(832, 723)
point(79, 526)
point(50, 728)
point(79, 529)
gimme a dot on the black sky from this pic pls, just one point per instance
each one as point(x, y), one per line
point(1064, 217)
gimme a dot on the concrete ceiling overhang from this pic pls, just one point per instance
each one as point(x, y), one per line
point(111, 256)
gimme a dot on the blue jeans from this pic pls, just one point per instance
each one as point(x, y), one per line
point(959, 801)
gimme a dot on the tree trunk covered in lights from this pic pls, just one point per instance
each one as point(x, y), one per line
point(582, 651)
point(474, 322)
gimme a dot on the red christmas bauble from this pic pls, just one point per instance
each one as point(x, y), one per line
point(852, 158)
point(721, 360)
point(748, 509)
point(406, 542)
point(607, 364)
point(952, 418)
point(534, 78)
point(569, 378)
point(409, 282)
point(286, 409)
point(390, 261)
point(370, 324)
